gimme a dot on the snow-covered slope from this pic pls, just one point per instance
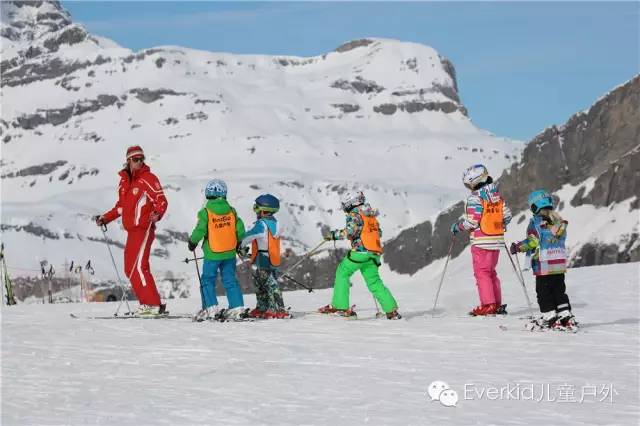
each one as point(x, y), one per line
point(315, 370)
point(380, 115)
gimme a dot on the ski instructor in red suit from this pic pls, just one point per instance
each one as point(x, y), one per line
point(141, 203)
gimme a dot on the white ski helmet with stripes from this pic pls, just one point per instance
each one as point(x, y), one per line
point(216, 188)
point(474, 176)
point(351, 199)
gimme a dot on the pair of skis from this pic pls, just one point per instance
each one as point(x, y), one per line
point(167, 316)
point(534, 326)
point(132, 316)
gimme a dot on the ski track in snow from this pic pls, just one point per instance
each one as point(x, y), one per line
point(319, 370)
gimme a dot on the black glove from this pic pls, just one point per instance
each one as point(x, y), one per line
point(513, 249)
point(192, 245)
point(99, 220)
point(331, 236)
point(243, 251)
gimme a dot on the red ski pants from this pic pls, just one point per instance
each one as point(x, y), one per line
point(136, 265)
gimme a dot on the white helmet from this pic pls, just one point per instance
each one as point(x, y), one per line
point(216, 188)
point(351, 199)
point(474, 176)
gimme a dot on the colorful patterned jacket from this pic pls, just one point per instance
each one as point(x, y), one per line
point(354, 225)
point(473, 214)
point(545, 242)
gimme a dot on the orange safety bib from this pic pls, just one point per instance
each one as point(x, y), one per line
point(370, 235)
point(273, 244)
point(222, 232)
point(492, 220)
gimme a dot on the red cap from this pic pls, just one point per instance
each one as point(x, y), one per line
point(135, 151)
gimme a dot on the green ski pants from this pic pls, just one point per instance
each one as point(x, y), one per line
point(367, 263)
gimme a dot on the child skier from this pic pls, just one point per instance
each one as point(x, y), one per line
point(546, 236)
point(486, 216)
point(264, 238)
point(221, 229)
point(364, 232)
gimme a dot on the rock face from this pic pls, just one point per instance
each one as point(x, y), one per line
point(27, 20)
point(617, 183)
point(416, 247)
point(602, 143)
point(589, 144)
point(33, 28)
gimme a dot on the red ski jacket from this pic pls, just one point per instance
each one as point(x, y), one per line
point(138, 196)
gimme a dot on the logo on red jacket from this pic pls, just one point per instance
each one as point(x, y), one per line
point(135, 191)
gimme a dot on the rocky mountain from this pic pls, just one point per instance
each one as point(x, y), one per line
point(591, 163)
point(379, 115)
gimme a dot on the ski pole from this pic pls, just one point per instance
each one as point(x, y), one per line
point(103, 228)
point(523, 281)
point(377, 308)
point(304, 257)
point(444, 270)
point(296, 282)
point(519, 268)
point(520, 277)
point(187, 260)
point(195, 259)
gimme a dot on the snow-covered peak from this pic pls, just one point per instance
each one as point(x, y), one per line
point(26, 22)
point(34, 16)
point(33, 28)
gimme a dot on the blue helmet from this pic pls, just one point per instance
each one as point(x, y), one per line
point(540, 199)
point(266, 203)
point(216, 188)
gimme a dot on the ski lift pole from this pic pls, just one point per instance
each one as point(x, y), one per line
point(50, 276)
point(6, 284)
point(43, 274)
point(3, 275)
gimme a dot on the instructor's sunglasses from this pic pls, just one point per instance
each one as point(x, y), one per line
point(137, 159)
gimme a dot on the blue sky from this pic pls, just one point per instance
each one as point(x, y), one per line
point(521, 66)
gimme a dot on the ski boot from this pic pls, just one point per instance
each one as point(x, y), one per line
point(393, 315)
point(484, 310)
point(501, 310)
point(330, 310)
point(276, 314)
point(256, 313)
point(565, 322)
point(542, 322)
point(236, 314)
point(147, 311)
point(206, 314)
